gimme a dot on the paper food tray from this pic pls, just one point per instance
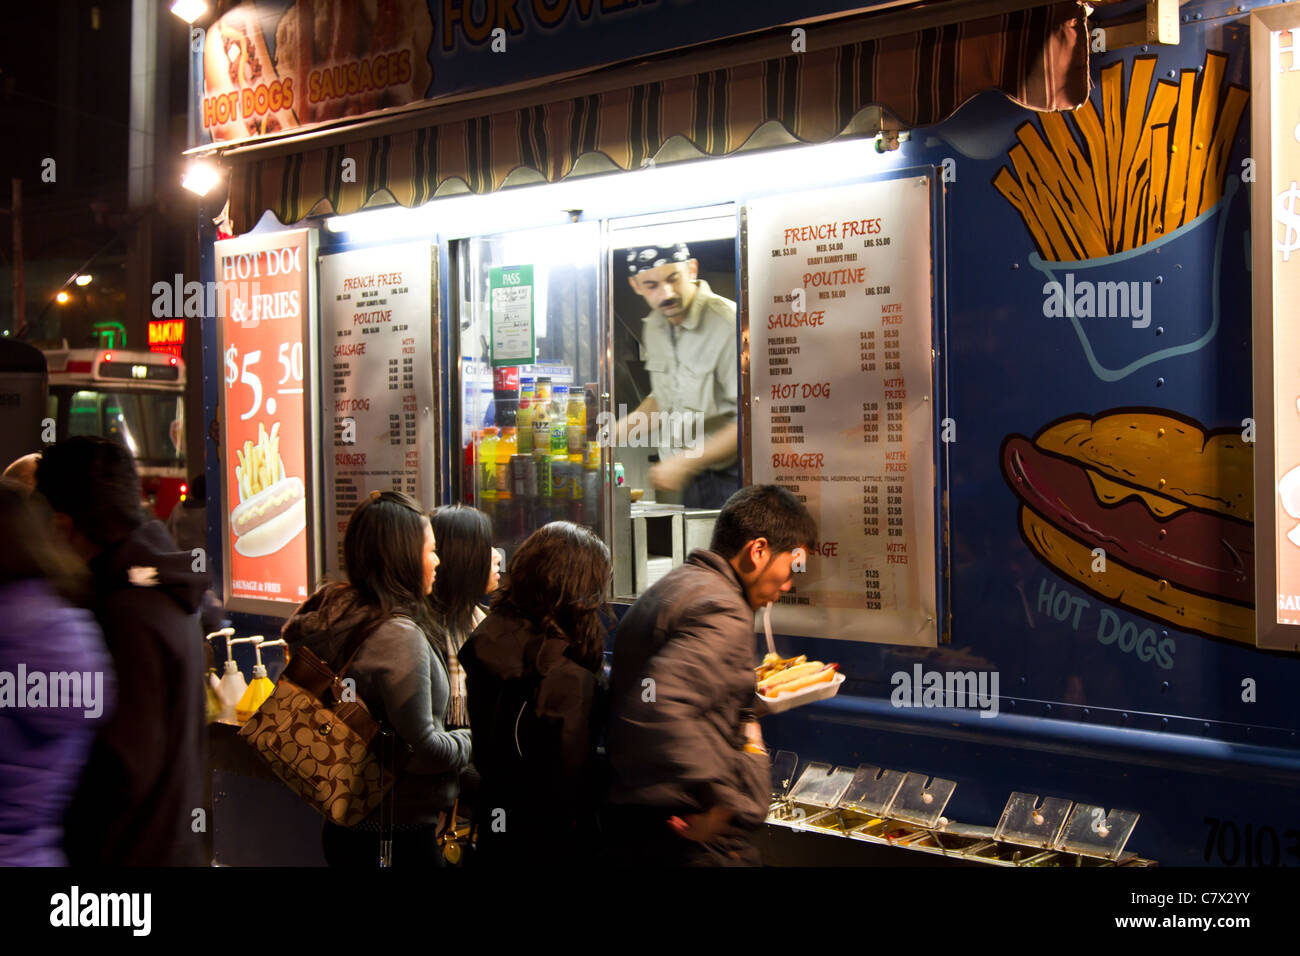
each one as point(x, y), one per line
point(776, 705)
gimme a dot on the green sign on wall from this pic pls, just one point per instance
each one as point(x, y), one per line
point(514, 340)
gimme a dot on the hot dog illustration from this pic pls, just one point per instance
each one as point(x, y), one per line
point(273, 507)
point(243, 95)
point(1170, 505)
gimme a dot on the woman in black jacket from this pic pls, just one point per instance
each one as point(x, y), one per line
point(534, 675)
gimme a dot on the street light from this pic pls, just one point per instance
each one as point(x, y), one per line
point(189, 10)
point(200, 177)
point(61, 298)
point(83, 280)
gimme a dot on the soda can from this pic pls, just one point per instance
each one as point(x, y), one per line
point(523, 477)
point(561, 478)
point(545, 476)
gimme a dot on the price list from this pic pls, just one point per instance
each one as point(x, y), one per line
point(377, 326)
point(840, 405)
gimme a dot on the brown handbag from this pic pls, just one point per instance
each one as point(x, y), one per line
point(317, 736)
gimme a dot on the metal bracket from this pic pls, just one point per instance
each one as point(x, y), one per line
point(1161, 25)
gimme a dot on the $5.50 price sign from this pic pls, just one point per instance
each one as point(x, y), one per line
point(245, 372)
point(264, 285)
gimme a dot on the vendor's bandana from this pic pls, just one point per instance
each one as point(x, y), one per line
point(652, 257)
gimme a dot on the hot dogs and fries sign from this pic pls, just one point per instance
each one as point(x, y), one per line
point(265, 288)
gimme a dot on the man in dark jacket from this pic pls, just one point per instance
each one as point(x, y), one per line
point(691, 777)
point(136, 802)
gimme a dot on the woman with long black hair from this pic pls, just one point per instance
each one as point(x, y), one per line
point(534, 672)
point(400, 674)
point(468, 573)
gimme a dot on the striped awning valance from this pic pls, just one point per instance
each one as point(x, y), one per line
point(1038, 57)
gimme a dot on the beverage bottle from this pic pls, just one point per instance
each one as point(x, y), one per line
point(576, 422)
point(507, 447)
point(542, 390)
point(559, 421)
point(468, 473)
point(524, 417)
point(505, 391)
point(487, 464)
point(540, 417)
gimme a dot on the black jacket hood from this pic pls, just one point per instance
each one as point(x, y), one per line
point(508, 647)
point(149, 558)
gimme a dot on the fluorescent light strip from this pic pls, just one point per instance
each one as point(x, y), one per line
point(687, 184)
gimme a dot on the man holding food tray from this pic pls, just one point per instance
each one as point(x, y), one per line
point(691, 776)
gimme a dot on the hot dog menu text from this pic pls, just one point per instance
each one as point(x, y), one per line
point(377, 360)
point(263, 286)
point(840, 411)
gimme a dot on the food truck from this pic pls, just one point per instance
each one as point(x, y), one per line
point(1002, 280)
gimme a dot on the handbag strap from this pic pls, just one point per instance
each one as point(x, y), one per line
point(358, 639)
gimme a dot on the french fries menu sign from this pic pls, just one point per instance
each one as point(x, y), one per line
point(377, 347)
point(840, 321)
point(264, 293)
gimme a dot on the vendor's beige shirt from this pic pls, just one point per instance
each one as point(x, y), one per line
point(693, 368)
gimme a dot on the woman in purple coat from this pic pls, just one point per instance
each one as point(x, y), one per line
point(56, 683)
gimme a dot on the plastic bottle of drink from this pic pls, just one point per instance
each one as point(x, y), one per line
point(487, 464)
point(559, 421)
point(524, 418)
point(468, 473)
point(576, 422)
point(540, 417)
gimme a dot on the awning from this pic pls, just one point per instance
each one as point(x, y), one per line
point(1038, 57)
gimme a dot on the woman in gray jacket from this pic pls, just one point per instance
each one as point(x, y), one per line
point(400, 674)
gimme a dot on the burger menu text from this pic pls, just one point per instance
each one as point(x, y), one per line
point(840, 343)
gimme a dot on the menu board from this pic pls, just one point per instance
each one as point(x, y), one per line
point(839, 314)
point(264, 287)
point(1273, 433)
point(378, 356)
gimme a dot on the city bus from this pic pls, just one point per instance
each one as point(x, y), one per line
point(136, 398)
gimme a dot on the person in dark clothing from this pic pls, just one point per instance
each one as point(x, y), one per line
point(401, 677)
point(137, 799)
point(690, 773)
point(534, 678)
point(44, 749)
point(188, 526)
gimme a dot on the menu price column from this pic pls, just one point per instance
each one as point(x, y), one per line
point(840, 317)
point(377, 337)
